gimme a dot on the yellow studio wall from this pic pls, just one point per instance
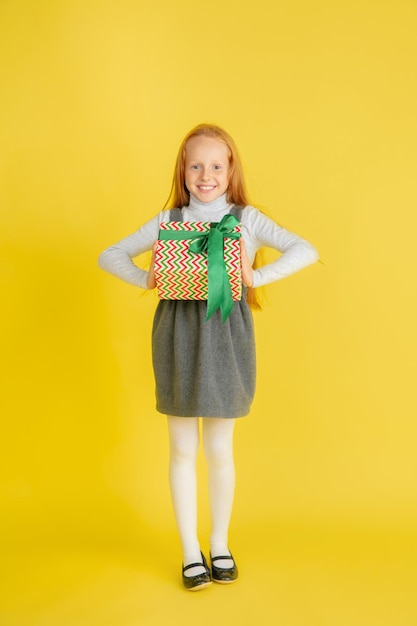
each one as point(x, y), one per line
point(95, 98)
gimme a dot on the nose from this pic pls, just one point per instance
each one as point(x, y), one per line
point(205, 175)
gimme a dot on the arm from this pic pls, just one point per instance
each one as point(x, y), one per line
point(261, 231)
point(117, 259)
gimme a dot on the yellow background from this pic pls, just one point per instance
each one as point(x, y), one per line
point(321, 98)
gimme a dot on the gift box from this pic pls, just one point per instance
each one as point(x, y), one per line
point(200, 261)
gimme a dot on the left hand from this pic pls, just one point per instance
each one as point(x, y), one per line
point(247, 270)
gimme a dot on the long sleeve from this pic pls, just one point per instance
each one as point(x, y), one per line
point(117, 259)
point(260, 231)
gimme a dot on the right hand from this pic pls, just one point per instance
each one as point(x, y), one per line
point(151, 283)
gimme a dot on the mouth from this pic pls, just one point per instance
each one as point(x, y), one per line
point(206, 188)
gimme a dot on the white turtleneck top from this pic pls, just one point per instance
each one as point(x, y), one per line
point(257, 229)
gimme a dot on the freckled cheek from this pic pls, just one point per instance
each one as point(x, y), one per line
point(188, 180)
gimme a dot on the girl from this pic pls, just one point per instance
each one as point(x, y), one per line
point(206, 369)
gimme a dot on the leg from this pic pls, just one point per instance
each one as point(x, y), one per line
point(218, 448)
point(184, 442)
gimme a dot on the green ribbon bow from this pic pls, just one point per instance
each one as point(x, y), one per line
point(212, 244)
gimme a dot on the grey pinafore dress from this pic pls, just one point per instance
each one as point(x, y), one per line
point(203, 368)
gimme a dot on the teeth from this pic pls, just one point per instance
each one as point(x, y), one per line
point(204, 188)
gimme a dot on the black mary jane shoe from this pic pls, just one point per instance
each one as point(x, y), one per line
point(195, 583)
point(224, 575)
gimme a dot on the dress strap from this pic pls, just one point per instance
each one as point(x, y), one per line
point(236, 211)
point(175, 215)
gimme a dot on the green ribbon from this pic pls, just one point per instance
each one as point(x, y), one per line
point(212, 244)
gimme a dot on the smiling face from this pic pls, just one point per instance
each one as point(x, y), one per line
point(206, 167)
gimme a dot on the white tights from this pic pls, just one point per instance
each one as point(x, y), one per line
point(184, 438)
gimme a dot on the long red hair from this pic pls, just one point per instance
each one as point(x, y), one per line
point(236, 192)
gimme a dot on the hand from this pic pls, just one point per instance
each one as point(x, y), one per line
point(151, 283)
point(247, 270)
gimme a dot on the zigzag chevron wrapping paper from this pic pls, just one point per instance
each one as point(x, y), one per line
point(183, 275)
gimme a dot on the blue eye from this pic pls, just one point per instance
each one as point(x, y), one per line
point(195, 167)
